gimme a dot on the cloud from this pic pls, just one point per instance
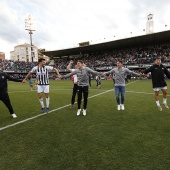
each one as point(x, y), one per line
point(141, 9)
point(63, 24)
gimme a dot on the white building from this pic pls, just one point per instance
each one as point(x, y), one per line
point(12, 55)
point(23, 53)
point(2, 55)
point(149, 24)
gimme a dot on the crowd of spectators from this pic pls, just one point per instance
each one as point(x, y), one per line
point(17, 66)
point(131, 56)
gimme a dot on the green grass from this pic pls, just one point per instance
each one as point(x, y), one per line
point(106, 139)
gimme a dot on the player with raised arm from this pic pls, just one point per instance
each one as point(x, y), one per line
point(83, 83)
point(158, 81)
point(119, 77)
point(42, 76)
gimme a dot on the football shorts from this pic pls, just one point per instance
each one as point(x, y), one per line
point(43, 88)
point(160, 88)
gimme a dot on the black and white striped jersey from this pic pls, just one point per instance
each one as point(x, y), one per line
point(42, 74)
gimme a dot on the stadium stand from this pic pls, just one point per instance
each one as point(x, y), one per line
point(136, 53)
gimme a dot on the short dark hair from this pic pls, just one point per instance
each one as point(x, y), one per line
point(120, 61)
point(41, 59)
point(81, 61)
point(158, 57)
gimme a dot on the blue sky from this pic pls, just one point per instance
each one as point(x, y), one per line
point(63, 24)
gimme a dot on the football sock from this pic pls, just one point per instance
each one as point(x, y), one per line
point(164, 100)
point(157, 103)
point(41, 102)
point(47, 102)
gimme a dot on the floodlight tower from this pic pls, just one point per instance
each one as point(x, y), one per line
point(30, 26)
point(149, 24)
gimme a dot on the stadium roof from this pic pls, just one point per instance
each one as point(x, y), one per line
point(149, 39)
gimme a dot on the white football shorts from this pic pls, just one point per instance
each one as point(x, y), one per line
point(160, 88)
point(43, 88)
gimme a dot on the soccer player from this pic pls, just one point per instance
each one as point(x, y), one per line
point(75, 86)
point(83, 83)
point(120, 73)
point(36, 83)
point(89, 80)
point(31, 83)
point(98, 80)
point(126, 79)
point(158, 81)
point(4, 97)
point(43, 81)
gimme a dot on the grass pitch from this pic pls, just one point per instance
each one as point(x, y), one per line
point(106, 139)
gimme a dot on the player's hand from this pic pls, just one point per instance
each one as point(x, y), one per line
point(71, 61)
point(103, 74)
point(142, 75)
point(60, 76)
point(24, 81)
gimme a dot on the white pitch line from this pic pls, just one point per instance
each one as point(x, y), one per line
point(24, 91)
point(138, 92)
point(50, 90)
point(28, 91)
point(34, 117)
point(25, 120)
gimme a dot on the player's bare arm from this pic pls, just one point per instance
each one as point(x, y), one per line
point(56, 71)
point(27, 76)
point(69, 66)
